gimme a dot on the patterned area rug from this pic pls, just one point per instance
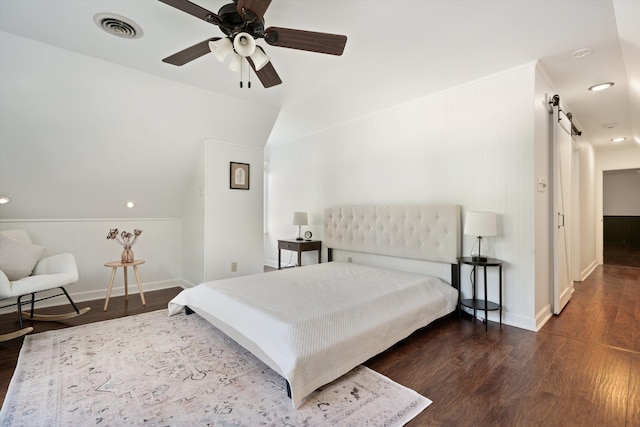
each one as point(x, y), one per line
point(151, 369)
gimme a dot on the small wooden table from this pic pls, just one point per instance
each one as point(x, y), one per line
point(299, 246)
point(115, 265)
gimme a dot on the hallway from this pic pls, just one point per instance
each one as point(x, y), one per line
point(605, 309)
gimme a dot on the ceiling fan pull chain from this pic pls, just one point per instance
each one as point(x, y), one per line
point(241, 75)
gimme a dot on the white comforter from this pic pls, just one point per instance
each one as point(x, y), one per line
point(316, 323)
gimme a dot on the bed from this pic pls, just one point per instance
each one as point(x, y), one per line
point(314, 324)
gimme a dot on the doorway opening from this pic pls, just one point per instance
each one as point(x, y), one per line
point(621, 217)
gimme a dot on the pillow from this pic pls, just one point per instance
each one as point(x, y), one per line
point(17, 259)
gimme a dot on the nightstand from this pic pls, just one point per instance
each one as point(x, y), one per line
point(299, 246)
point(475, 303)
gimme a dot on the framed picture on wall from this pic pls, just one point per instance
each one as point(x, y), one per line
point(239, 176)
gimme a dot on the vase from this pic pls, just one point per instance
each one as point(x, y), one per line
point(127, 255)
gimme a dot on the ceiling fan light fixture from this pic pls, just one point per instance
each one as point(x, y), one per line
point(242, 21)
point(244, 44)
point(236, 63)
point(221, 48)
point(601, 86)
point(259, 58)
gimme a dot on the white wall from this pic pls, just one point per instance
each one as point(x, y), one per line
point(232, 218)
point(80, 136)
point(472, 145)
point(193, 237)
point(221, 225)
point(588, 220)
point(543, 277)
point(159, 245)
point(621, 193)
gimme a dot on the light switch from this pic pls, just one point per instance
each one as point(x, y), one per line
point(542, 185)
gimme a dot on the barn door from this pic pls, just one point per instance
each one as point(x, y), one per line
point(562, 212)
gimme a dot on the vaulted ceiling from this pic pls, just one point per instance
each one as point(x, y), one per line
point(397, 50)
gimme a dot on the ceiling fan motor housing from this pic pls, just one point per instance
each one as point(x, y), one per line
point(233, 23)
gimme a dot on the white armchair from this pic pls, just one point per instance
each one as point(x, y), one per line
point(57, 271)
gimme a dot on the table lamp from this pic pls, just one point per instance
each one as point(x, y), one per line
point(300, 219)
point(480, 224)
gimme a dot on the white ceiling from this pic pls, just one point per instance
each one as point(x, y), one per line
point(396, 51)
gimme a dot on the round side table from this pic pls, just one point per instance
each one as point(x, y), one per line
point(476, 303)
point(115, 265)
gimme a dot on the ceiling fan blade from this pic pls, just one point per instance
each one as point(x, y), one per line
point(267, 74)
point(332, 44)
point(259, 7)
point(190, 53)
point(195, 10)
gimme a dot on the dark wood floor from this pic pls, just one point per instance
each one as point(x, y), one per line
point(628, 256)
point(581, 369)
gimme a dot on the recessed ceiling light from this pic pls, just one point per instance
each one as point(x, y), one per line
point(582, 53)
point(4, 199)
point(131, 205)
point(618, 139)
point(601, 86)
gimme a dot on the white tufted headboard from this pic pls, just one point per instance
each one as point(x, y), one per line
point(425, 232)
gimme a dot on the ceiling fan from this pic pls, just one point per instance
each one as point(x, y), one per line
point(242, 22)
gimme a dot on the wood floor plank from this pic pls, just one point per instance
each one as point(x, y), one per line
point(612, 392)
point(633, 411)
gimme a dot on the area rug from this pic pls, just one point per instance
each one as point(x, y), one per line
point(155, 370)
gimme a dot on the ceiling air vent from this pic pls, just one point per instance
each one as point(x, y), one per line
point(118, 25)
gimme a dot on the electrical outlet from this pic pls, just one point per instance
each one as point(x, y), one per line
point(234, 267)
point(349, 259)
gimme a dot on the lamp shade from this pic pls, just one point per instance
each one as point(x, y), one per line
point(259, 58)
point(221, 48)
point(480, 224)
point(300, 218)
point(244, 44)
point(235, 64)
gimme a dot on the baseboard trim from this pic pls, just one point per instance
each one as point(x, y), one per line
point(543, 317)
point(587, 271)
point(97, 294)
point(507, 318)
